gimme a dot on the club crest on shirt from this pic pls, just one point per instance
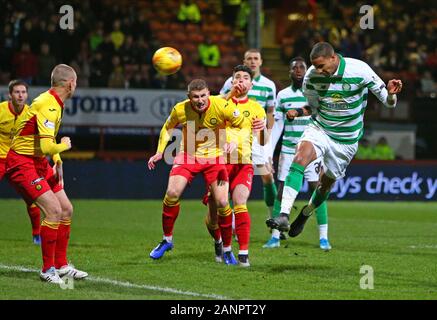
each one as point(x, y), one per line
point(213, 121)
point(38, 187)
point(346, 86)
point(246, 113)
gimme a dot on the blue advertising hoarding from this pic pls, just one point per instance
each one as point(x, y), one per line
point(388, 181)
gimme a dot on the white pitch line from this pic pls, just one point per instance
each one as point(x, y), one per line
point(127, 284)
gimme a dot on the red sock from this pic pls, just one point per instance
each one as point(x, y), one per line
point(214, 232)
point(62, 244)
point(49, 234)
point(242, 229)
point(225, 223)
point(35, 216)
point(169, 215)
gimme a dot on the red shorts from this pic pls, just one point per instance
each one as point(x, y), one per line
point(188, 167)
point(30, 176)
point(238, 174)
point(2, 168)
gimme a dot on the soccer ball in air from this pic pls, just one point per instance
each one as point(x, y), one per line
point(167, 60)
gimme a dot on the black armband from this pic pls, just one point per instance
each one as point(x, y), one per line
point(299, 112)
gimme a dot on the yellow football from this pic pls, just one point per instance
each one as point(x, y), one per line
point(167, 60)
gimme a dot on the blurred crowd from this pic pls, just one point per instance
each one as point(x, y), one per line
point(403, 41)
point(112, 42)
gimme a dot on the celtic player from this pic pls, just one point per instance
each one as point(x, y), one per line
point(292, 117)
point(337, 88)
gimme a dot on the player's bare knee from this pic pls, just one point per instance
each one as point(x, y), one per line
point(67, 210)
point(173, 193)
point(53, 212)
point(222, 202)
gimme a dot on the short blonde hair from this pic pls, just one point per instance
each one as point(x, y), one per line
point(62, 73)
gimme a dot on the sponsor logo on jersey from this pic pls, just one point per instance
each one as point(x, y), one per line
point(49, 124)
point(37, 180)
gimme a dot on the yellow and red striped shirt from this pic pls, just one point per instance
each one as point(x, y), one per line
point(41, 120)
point(203, 134)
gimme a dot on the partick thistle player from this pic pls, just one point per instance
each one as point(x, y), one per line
point(29, 172)
point(240, 172)
point(203, 118)
point(10, 112)
point(264, 92)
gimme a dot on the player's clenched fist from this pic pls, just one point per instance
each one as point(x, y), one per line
point(66, 141)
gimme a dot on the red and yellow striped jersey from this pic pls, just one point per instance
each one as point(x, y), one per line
point(8, 119)
point(41, 120)
point(203, 134)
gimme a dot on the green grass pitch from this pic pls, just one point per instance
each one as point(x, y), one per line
point(111, 240)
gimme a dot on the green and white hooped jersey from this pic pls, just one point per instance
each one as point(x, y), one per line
point(263, 91)
point(288, 99)
point(341, 99)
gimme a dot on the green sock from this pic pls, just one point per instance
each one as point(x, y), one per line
point(270, 193)
point(292, 186)
point(317, 198)
point(276, 208)
point(294, 178)
point(322, 214)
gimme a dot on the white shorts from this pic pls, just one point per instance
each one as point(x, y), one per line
point(258, 157)
point(312, 171)
point(336, 156)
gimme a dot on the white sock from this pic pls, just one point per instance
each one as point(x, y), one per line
point(245, 252)
point(288, 197)
point(275, 233)
point(323, 231)
point(227, 249)
point(169, 238)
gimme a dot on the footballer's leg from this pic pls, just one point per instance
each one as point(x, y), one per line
point(61, 261)
point(275, 239)
point(35, 219)
point(170, 212)
point(212, 224)
point(293, 183)
point(242, 222)
point(319, 196)
point(52, 210)
point(322, 219)
point(219, 192)
point(269, 187)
